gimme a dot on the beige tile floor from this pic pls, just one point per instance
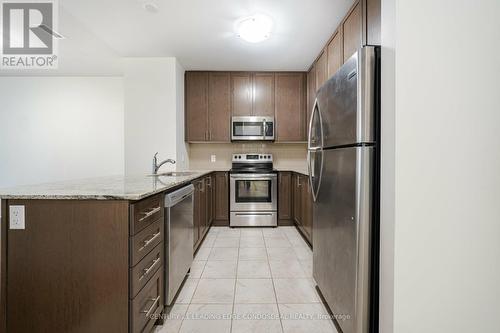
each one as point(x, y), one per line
point(250, 280)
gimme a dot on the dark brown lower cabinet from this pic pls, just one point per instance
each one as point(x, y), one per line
point(196, 212)
point(302, 205)
point(209, 184)
point(285, 198)
point(79, 266)
point(297, 199)
point(205, 199)
point(307, 218)
point(200, 211)
point(221, 199)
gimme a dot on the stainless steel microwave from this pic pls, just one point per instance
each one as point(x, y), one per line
point(253, 128)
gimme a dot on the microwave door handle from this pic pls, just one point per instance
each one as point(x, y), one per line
point(264, 129)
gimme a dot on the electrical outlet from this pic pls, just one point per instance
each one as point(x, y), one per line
point(16, 217)
point(213, 158)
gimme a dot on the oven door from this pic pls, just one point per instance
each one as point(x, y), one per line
point(253, 192)
point(252, 128)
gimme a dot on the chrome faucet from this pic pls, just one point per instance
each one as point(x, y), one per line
point(156, 166)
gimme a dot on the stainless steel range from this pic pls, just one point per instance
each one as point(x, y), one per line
point(253, 191)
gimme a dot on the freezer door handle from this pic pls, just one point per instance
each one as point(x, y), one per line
point(310, 138)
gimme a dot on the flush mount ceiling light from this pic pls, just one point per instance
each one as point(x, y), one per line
point(255, 28)
point(150, 6)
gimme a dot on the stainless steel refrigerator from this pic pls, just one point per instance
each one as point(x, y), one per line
point(343, 158)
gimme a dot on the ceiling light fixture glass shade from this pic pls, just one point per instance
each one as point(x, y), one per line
point(255, 28)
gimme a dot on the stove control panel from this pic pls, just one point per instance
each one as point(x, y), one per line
point(254, 158)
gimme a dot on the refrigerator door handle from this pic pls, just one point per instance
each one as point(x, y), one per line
point(309, 137)
point(315, 191)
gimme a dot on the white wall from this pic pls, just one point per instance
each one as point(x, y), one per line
point(58, 128)
point(181, 147)
point(387, 200)
point(446, 166)
point(150, 112)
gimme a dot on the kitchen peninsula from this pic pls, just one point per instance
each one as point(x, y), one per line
point(84, 254)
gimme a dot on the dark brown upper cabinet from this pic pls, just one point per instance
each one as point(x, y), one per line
point(213, 97)
point(290, 104)
point(252, 94)
point(311, 95)
point(241, 94)
point(263, 94)
point(196, 106)
point(335, 54)
point(360, 26)
point(371, 28)
point(352, 32)
point(208, 106)
point(219, 106)
point(321, 69)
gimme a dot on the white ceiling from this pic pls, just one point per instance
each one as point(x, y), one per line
point(200, 33)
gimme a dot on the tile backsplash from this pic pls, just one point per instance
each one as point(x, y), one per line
point(286, 155)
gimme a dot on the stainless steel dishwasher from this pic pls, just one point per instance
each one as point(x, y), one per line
point(178, 239)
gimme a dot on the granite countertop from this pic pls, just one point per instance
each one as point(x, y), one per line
point(102, 188)
point(303, 171)
point(109, 188)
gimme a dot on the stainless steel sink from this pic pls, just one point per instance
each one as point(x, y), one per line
point(174, 174)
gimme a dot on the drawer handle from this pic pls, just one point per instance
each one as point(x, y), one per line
point(148, 311)
point(148, 270)
point(148, 241)
point(148, 214)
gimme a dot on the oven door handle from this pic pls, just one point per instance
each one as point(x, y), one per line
point(254, 177)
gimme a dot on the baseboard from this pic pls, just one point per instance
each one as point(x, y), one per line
point(220, 223)
point(285, 223)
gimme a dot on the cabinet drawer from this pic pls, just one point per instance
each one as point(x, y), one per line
point(147, 305)
point(144, 212)
point(142, 272)
point(145, 241)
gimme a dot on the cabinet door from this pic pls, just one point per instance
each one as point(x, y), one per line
point(219, 106)
point(196, 217)
point(352, 32)
point(290, 104)
point(221, 196)
point(212, 180)
point(297, 199)
point(373, 8)
point(321, 69)
point(209, 190)
point(306, 207)
point(285, 196)
point(334, 50)
point(196, 106)
point(241, 94)
point(263, 94)
point(311, 95)
point(203, 208)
